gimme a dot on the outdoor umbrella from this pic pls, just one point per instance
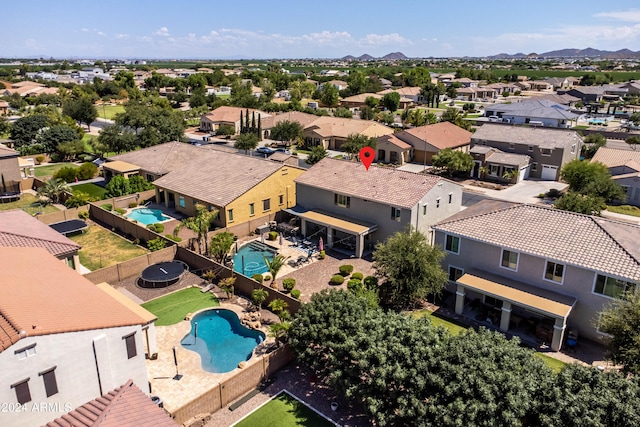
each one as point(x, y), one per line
point(262, 238)
point(280, 239)
point(320, 245)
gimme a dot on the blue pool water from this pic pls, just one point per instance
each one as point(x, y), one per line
point(249, 259)
point(147, 216)
point(221, 340)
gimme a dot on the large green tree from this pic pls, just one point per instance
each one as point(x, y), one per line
point(152, 120)
point(391, 101)
point(581, 203)
point(287, 131)
point(246, 141)
point(591, 179)
point(200, 224)
point(51, 137)
point(621, 320)
point(329, 95)
point(317, 153)
point(81, 110)
point(112, 138)
point(25, 129)
point(592, 143)
point(453, 161)
point(456, 117)
point(356, 141)
point(53, 190)
point(408, 268)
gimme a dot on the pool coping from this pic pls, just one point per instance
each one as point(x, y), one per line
point(135, 221)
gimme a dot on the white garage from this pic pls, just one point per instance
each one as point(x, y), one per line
point(549, 173)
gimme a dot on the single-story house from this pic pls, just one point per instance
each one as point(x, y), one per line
point(539, 111)
point(498, 165)
point(293, 116)
point(412, 93)
point(227, 115)
point(624, 166)
point(332, 132)
point(428, 140)
point(391, 149)
point(585, 93)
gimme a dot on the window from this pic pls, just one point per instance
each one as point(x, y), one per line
point(50, 383)
point(130, 341)
point(230, 215)
point(341, 200)
point(545, 151)
point(281, 199)
point(610, 287)
point(22, 391)
point(266, 205)
point(438, 202)
point(530, 148)
point(25, 352)
point(450, 197)
point(494, 170)
point(181, 202)
point(554, 272)
point(395, 213)
point(573, 148)
point(455, 273)
point(534, 167)
point(252, 209)
point(494, 302)
point(509, 260)
point(424, 209)
point(452, 244)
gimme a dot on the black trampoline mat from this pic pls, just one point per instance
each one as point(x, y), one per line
point(163, 271)
point(70, 226)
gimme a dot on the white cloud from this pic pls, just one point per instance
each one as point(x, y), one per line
point(122, 36)
point(100, 33)
point(163, 31)
point(632, 15)
point(393, 39)
point(85, 30)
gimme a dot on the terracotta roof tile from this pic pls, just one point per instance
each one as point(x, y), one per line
point(19, 229)
point(392, 139)
point(537, 136)
point(385, 185)
point(593, 243)
point(440, 135)
point(342, 128)
point(126, 406)
point(232, 114)
point(612, 157)
point(41, 295)
point(293, 116)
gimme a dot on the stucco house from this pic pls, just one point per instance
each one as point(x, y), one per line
point(227, 115)
point(413, 93)
point(63, 341)
point(549, 149)
point(10, 174)
point(624, 166)
point(585, 93)
point(352, 209)
point(391, 149)
point(557, 272)
point(332, 132)
point(427, 141)
point(542, 112)
point(496, 165)
point(293, 116)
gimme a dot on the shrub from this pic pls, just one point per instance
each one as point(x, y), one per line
point(156, 244)
point(295, 293)
point(322, 254)
point(39, 159)
point(67, 174)
point(257, 277)
point(267, 278)
point(120, 211)
point(107, 206)
point(346, 269)
point(86, 171)
point(77, 199)
point(83, 214)
point(354, 285)
point(158, 228)
point(288, 284)
point(174, 238)
point(133, 205)
point(273, 235)
point(554, 193)
point(371, 282)
point(337, 280)
point(357, 275)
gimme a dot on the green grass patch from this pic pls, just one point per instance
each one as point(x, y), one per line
point(102, 248)
point(284, 410)
point(435, 320)
point(50, 169)
point(555, 364)
point(30, 204)
point(109, 111)
point(95, 191)
point(580, 127)
point(625, 210)
point(172, 308)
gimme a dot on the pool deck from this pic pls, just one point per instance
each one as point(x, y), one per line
point(195, 381)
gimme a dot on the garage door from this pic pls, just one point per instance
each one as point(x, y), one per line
point(549, 173)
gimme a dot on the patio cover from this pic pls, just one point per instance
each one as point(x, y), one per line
point(552, 304)
point(121, 166)
point(339, 222)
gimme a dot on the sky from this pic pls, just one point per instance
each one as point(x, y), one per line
point(223, 29)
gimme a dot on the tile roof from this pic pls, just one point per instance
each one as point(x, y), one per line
point(441, 135)
point(537, 108)
point(145, 314)
point(613, 157)
point(217, 178)
point(19, 229)
point(565, 99)
point(392, 139)
point(503, 158)
point(8, 152)
point(385, 185)
point(126, 406)
point(163, 158)
point(40, 295)
point(589, 242)
point(537, 136)
point(232, 114)
point(403, 91)
point(340, 127)
point(293, 116)
point(361, 97)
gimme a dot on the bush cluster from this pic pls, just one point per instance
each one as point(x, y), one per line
point(158, 228)
point(288, 284)
point(337, 279)
point(257, 277)
point(346, 270)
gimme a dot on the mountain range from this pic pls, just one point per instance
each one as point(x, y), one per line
point(393, 56)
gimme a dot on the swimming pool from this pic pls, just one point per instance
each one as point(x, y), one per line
point(221, 340)
point(147, 216)
point(249, 258)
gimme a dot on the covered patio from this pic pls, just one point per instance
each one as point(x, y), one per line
point(516, 305)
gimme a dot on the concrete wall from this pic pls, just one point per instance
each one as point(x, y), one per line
point(130, 268)
point(578, 282)
point(59, 216)
point(10, 171)
point(72, 355)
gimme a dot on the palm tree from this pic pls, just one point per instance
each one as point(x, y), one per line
point(279, 331)
point(53, 189)
point(274, 266)
point(227, 285)
point(200, 224)
point(259, 296)
point(279, 307)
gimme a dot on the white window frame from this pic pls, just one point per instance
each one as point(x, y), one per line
point(342, 200)
point(542, 152)
point(544, 273)
point(446, 236)
point(595, 279)
point(502, 258)
point(25, 352)
point(604, 334)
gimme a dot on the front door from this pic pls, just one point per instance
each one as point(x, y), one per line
point(382, 156)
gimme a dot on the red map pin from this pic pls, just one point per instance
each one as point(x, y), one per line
point(367, 154)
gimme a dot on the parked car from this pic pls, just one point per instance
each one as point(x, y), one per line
point(283, 150)
point(265, 150)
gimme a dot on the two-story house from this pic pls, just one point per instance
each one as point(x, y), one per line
point(537, 268)
point(63, 340)
point(548, 149)
point(355, 208)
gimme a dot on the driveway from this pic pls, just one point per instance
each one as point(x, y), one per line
point(522, 192)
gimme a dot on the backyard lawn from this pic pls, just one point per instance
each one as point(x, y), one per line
point(172, 308)
point(624, 209)
point(50, 169)
point(28, 203)
point(284, 411)
point(109, 111)
point(93, 190)
point(101, 248)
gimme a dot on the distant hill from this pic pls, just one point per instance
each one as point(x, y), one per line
point(348, 58)
point(575, 53)
point(365, 57)
point(393, 56)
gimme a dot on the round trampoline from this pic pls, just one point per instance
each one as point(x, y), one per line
point(162, 274)
point(9, 196)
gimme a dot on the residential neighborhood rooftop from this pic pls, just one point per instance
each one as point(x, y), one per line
point(612, 157)
point(379, 184)
point(536, 136)
point(441, 135)
point(539, 108)
point(342, 128)
point(587, 241)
